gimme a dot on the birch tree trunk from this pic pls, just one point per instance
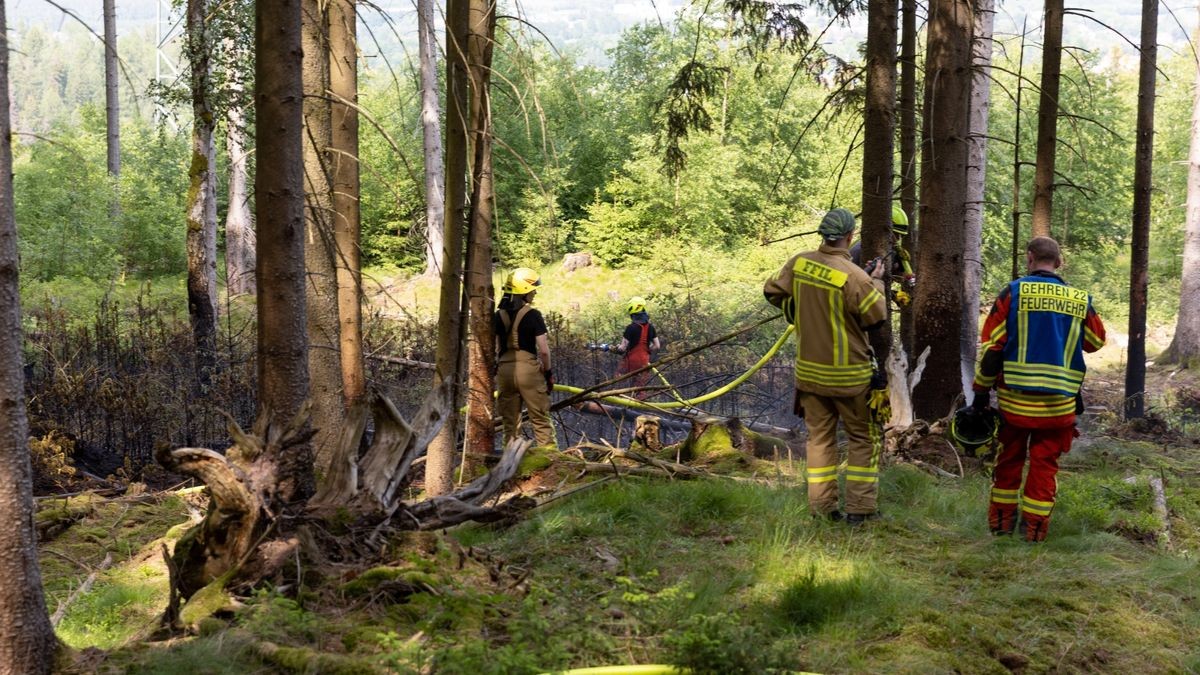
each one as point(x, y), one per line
point(1135, 368)
point(879, 124)
point(1047, 134)
point(981, 88)
point(343, 86)
point(481, 431)
point(27, 642)
point(439, 468)
point(320, 249)
point(239, 225)
point(1185, 345)
point(937, 307)
point(202, 197)
point(431, 114)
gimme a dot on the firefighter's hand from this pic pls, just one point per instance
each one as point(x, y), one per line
point(549, 375)
point(875, 268)
point(982, 401)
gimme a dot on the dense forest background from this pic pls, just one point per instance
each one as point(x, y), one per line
point(578, 154)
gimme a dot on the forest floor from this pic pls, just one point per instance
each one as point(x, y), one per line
point(716, 575)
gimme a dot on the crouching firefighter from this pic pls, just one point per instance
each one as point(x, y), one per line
point(833, 303)
point(524, 375)
point(1033, 344)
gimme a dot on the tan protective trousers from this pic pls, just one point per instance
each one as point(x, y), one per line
point(821, 414)
point(520, 380)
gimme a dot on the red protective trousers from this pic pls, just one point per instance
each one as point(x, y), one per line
point(638, 356)
point(1043, 448)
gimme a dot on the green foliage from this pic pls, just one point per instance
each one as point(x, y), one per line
point(63, 198)
point(724, 643)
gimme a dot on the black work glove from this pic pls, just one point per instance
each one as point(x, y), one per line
point(982, 401)
point(879, 379)
point(549, 375)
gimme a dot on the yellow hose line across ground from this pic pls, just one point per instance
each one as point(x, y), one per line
point(647, 669)
point(682, 403)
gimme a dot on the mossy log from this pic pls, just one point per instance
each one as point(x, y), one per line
point(725, 442)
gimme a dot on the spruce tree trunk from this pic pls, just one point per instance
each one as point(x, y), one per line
point(202, 197)
point(981, 88)
point(937, 307)
point(439, 468)
point(481, 430)
point(1135, 369)
point(27, 642)
point(879, 124)
point(1185, 344)
point(279, 216)
point(1047, 134)
point(239, 224)
point(343, 85)
point(431, 114)
point(1015, 254)
point(320, 249)
point(112, 103)
point(908, 147)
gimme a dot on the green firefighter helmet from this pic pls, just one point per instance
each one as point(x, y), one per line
point(974, 430)
point(521, 281)
point(899, 220)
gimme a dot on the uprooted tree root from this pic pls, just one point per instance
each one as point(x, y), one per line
point(248, 535)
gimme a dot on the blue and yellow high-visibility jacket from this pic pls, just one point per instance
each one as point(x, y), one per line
point(1033, 345)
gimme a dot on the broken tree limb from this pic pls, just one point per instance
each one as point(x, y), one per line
point(1160, 510)
point(86, 586)
point(583, 395)
point(384, 470)
point(401, 361)
point(341, 482)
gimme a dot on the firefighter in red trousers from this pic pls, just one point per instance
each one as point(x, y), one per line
point(1033, 345)
point(639, 341)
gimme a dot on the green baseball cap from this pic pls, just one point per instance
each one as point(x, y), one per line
point(836, 224)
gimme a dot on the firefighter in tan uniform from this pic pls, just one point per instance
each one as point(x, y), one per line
point(833, 303)
point(524, 375)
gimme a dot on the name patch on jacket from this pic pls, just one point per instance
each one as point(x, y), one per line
point(824, 274)
point(1034, 296)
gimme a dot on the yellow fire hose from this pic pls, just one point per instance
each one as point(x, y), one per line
point(646, 669)
point(687, 403)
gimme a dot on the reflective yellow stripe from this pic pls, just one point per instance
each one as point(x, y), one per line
point(862, 479)
point(862, 474)
point(998, 333)
point(822, 479)
point(1072, 342)
point(1035, 507)
point(837, 319)
point(984, 380)
point(1042, 369)
point(821, 470)
point(1091, 338)
point(1004, 500)
point(1022, 329)
point(1004, 491)
point(872, 297)
point(1053, 406)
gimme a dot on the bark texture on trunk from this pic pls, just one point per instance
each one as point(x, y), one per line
point(1015, 253)
point(27, 642)
point(202, 197)
point(1139, 262)
point(320, 249)
point(439, 469)
point(1047, 134)
point(908, 145)
point(112, 103)
point(878, 139)
point(981, 89)
point(279, 218)
point(343, 86)
point(480, 434)
point(937, 307)
point(431, 115)
point(1185, 344)
point(239, 222)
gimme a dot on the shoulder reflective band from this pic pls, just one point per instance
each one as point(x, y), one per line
point(1037, 296)
point(814, 271)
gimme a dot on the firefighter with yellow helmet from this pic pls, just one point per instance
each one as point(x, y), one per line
point(524, 376)
point(833, 303)
point(901, 262)
point(638, 343)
